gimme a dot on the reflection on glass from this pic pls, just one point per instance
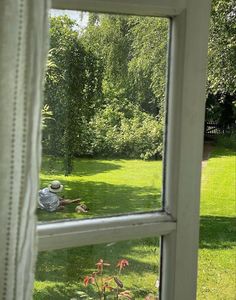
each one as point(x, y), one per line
point(103, 114)
point(129, 269)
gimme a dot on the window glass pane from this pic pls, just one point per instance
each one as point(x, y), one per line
point(68, 274)
point(103, 116)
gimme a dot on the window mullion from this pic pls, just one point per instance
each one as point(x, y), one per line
point(184, 149)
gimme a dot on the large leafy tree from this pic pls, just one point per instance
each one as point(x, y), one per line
point(107, 37)
point(222, 47)
point(118, 62)
point(133, 51)
point(221, 99)
point(148, 64)
point(72, 89)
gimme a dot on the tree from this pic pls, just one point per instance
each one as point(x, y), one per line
point(107, 37)
point(133, 51)
point(72, 89)
point(147, 68)
point(221, 98)
point(222, 48)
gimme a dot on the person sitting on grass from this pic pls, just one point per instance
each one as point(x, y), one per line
point(50, 201)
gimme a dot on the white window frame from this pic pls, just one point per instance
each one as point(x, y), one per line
point(178, 223)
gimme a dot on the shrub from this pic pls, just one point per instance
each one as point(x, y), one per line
point(123, 130)
point(227, 141)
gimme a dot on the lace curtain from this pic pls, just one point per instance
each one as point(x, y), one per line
point(23, 50)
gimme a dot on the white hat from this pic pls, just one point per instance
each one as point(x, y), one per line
point(55, 186)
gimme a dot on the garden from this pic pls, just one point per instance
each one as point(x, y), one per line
point(103, 125)
point(119, 186)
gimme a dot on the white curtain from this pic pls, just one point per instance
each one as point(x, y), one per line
point(23, 49)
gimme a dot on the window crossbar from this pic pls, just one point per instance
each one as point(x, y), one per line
point(75, 233)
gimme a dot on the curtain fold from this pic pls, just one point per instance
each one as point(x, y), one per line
point(23, 51)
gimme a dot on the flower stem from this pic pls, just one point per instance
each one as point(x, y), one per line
point(98, 288)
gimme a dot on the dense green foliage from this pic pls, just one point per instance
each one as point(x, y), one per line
point(221, 99)
point(105, 93)
point(123, 130)
point(147, 68)
point(105, 84)
point(133, 51)
point(46, 114)
point(222, 47)
point(105, 88)
point(72, 90)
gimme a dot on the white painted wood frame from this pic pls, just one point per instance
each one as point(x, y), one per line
point(178, 223)
point(164, 8)
point(186, 107)
point(76, 233)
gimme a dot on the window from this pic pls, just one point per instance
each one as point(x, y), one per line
point(177, 222)
point(70, 273)
point(108, 73)
point(23, 39)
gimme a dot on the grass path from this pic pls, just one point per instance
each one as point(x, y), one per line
point(217, 253)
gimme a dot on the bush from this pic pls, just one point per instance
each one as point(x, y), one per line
point(227, 141)
point(123, 130)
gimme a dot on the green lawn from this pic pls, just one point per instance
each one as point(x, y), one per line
point(106, 186)
point(217, 255)
point(60, 273)
point(118, 186)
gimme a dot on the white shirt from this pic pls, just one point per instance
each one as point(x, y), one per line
point(48, 200)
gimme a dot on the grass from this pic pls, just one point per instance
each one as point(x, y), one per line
point(119, 186)
point(106, 186)
point(63, 277)
point(217, 253)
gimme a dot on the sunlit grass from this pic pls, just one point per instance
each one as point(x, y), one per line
point(60, 273)
point(217, 254)
point(118, 186)
point(218, 184)
point(106, 186)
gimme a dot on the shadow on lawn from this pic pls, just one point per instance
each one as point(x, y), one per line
point(221, 152)
point(83, 167)
point(105, 199)
point(217, 232)
point(60, 273)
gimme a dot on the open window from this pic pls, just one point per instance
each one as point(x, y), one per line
point(103, 137)
point(176, 219)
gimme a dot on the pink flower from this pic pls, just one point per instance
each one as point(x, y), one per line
point(122, 263)
point(100, 264)
point(88, 280)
